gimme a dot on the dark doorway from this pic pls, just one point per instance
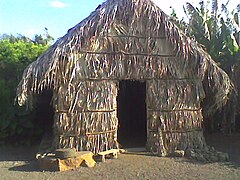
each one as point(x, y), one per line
point(132, 116)
point(45, 117)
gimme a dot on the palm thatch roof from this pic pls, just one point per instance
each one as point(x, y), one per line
point(94, 48)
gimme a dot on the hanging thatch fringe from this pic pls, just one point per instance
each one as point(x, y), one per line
point(112, 30)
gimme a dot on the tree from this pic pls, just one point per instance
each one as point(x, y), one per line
point(218, 31)
point(45, 39)
point(16, 52)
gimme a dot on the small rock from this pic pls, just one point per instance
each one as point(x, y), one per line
point(223, 157)
point(206, 149)
point(226, 156)
point(213, 158)
point(198, 151)
point(207, 157)
point(193, 155)
point(188, 153)
point(200, 158)
point(212, 149)
point(208, 152)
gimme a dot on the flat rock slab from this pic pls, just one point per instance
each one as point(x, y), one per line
point(51, 163)
point(114, 152)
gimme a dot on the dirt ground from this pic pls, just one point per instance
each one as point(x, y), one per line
point(19, 163)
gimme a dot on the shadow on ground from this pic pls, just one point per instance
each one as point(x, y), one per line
point(31, 166)
point(226, 143)
point(23, 158)
point(15, 153)
point(20, 158)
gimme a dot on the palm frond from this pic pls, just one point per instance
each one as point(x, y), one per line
point(214, 7)
point(238, 8)
point(202, 7)
point(224, 9)
point(236, 18)
point(191, 10)
point(227, 3)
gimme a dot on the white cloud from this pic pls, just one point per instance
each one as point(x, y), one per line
point(58, 4)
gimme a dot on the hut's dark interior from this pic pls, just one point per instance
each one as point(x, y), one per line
point(45, 112)
point(132, 114)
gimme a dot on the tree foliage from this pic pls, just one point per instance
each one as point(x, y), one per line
point(218, 31)
point(16, 52)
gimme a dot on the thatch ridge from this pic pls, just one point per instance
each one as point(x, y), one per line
point(108, 31)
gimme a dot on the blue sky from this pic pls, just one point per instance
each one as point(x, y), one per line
point(29, 17)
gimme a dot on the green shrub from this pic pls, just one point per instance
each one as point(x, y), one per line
point(16, 125)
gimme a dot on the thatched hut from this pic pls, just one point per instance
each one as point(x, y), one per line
point(126, 46)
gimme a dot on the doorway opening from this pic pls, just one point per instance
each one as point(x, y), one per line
point(45, 118)
point(132, 115)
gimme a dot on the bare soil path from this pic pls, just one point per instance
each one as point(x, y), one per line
point(19, 163)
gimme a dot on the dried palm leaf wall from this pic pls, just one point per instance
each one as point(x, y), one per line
point(174, 115)
point(126, 39)
point(86, 115)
